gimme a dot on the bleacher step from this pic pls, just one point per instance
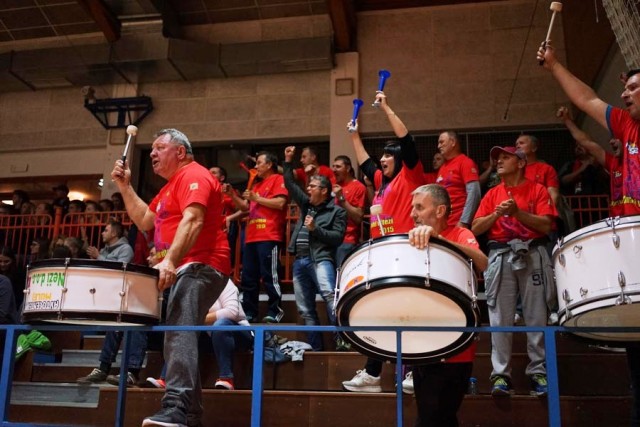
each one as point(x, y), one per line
point(70, 395)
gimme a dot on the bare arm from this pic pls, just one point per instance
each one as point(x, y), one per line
point(578, 92)
point(581, 137)
point(396, 124)
point(277, 202)
point(479, 259)
point(484, 223)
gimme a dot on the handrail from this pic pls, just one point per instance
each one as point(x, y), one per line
point(258, 357)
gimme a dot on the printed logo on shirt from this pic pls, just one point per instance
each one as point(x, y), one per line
point(632, 148)
point(193, 186)
point(472, 241)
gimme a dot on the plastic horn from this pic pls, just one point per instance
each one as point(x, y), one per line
point(357, 103)
point(555, 7)
point(243, 166)
point(252, 176)
point(383, 76)
point(377, 210)
point(131, 132)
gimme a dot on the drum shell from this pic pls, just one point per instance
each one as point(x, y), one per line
point(391, 269)
point(590, 264)
point(91, 292)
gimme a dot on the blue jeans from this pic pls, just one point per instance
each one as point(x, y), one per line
point(260, 260)
point(225, 343)
point(309, 278)
point(138, 348)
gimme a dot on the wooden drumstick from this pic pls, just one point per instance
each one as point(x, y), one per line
point(377, 210)
point(555, 7)
point(131, 132)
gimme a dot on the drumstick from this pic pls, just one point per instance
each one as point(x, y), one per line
point(377, 210)
point(555, 7)
point(131, 132)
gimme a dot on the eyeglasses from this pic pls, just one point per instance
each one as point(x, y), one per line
point(314, 186)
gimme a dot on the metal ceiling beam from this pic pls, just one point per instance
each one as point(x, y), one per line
point(107, 22)
point(343, 19)
point(171, 27)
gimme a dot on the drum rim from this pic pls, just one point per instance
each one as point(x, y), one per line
point(46, 317)
point(596, 299)
point(402, 237)
point(93, 263)
point(596, 226)
point(456, 347)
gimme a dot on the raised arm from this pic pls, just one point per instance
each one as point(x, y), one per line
point(578, 92)
point(581, 137)
point(137, 209)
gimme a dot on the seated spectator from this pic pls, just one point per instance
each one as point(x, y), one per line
point(19, 198)
point(76, 246)
point(116, 247)
point(118, 202)
point(45, 213)
point(38, 250)
point(61, 199)
point(8, 311)
point(16, 275)
point(106, 205)
point(27, 208)
point(92, 224)
point(61, 252)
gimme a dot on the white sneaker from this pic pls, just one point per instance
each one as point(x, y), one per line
point(363, 382)
point(407, 383)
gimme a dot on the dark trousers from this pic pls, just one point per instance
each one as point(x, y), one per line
point(138, 348)
point(439, 390)
point(633, 360)
point(260, 260)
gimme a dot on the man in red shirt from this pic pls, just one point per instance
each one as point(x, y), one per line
point(517, 214)
point(310, 167)
point(266, 203)
point(536, 170)
point(351, 195)
point(230, 209)
point(459, 175)
point(440, 387)
point(187, 216)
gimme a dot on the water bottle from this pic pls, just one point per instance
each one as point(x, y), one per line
point(473, 386)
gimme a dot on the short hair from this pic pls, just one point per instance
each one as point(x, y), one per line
point(347, 161)
point(632, 72)
point(534, 141)
point(324, 183)
point(177, 137)
point(271, 158)
point(116, 227)
point(452, 134)
point(438, 193)
point(311, 151)
point(223, 171)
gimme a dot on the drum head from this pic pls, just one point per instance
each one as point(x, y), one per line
point(625, 315)
point(402, 302)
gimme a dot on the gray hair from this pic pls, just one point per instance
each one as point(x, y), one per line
point(324, 183)
point(437, 192)
point(178, 138)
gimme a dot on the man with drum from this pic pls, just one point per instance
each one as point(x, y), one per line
point(517, 215)
point(440, 387)
point(315, 237)
point(624, 125)
point(187, 215)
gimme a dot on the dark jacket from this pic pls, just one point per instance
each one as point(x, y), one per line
point(330, 220)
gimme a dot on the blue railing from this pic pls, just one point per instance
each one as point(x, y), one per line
point(258, 359)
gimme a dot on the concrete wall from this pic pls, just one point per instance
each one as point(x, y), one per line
point(452, 67)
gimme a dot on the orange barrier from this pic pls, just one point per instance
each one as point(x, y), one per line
point(18, 231)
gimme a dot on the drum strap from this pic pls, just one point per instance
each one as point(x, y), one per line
point(541, 241)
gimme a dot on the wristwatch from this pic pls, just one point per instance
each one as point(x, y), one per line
point(341, 198)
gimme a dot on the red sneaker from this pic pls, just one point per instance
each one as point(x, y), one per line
point(225, 383)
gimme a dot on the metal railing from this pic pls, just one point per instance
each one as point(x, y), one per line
point(549, 332)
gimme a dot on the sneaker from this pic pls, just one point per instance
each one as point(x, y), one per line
point(167, 417)
point(270, 318)
point(407, 383)
point(96, 376)
point(342, 345)
point(115, 380)
point(157, 383)
point(538, 385)
point(363, 382)
point(501, 387)
point(225, 383)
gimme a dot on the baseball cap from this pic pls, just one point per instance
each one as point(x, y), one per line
point(61, 187)
point(495, 151)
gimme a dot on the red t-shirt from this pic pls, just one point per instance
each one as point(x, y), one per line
point(529, 196)
point(542, 173)
point(396, 201)
point(192, 184)
point(454, 175)
point(430, 177)
point(462, 236)
point(613, 165)
point(356, 194)
point(266, 224)
point(627, 130)
point(323, 170)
